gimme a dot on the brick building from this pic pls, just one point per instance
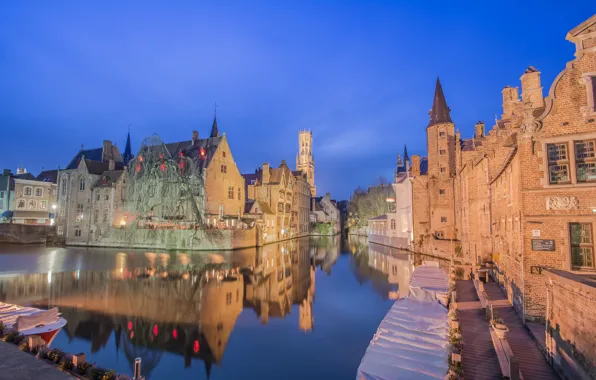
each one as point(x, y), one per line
point(523, 195)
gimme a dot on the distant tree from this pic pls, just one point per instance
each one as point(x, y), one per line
point(366, 204)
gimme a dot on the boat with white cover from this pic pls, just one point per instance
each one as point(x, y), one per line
point(32, 321)
point(412, 341)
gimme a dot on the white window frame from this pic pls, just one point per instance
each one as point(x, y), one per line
point(82, 184)
point(30, 191)
point(40, 192)
point(24, 204)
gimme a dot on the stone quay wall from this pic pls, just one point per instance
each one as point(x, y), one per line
point(23, 233)
point(571, 317)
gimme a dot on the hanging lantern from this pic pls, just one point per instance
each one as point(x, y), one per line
point(202, 153)
point(138, 168)
point(162, 167)
point(129, 325)
point(181, 154)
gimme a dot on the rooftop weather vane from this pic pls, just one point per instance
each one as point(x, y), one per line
point(215, 108)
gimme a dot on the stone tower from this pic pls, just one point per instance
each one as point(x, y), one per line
point(305, 161)
point(440, 134)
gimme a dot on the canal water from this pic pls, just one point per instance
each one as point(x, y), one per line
point(300, 309)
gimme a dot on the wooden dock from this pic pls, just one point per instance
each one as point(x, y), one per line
point(479, 357)
point(532, 363)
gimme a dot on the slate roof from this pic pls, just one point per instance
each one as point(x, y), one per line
point(108, 178)
point(401, 177)
point(48, 176)
point(424, 165)
point(210, 145)
point(261, 206)
point(467, 145)
point(440, 112)
point(90, 154)
point(27, 176)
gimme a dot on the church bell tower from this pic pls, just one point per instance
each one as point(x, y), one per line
point(305, 161)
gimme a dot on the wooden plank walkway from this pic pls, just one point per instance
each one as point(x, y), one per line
point(479, 358)
point(532, 363)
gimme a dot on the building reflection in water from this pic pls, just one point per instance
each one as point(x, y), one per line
point(388, 269)
point(186, 309)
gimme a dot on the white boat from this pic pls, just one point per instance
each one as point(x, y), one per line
point(32, 321)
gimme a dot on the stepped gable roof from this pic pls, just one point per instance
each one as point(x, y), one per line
point(48, 176)
point(439, 112)
point(90, 154)
point(108, 178)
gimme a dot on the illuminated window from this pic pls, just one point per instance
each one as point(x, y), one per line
point(582, 244)
point(79, 212)
point(585, 160)
point(558, 163)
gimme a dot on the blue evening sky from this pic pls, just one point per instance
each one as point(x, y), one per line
point(359, 74)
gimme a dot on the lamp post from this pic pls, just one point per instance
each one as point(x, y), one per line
point(54, 212)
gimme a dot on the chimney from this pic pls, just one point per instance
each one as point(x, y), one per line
point(415, 165)
point(111, 164)
point(283, 163)
point(531, 89)
point(510, 100)
point(266, 173)
point(106, 153)
point(195, 137)
point(479, 130)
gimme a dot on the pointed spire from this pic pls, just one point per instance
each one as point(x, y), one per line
point(440, 112)
point(127, 156)
point(214, 129)
point(406, 157)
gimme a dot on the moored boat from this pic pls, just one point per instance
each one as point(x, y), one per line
point(32, 321)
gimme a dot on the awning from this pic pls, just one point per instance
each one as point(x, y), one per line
point(7, 214)
point(31, 214)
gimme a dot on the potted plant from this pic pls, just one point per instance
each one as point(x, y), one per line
point(500, 328)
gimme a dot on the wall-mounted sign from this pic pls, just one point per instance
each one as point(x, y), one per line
point(536, 233)
point(543, 245)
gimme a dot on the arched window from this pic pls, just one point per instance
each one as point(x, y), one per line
point(28, 190)
point(38, 192)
